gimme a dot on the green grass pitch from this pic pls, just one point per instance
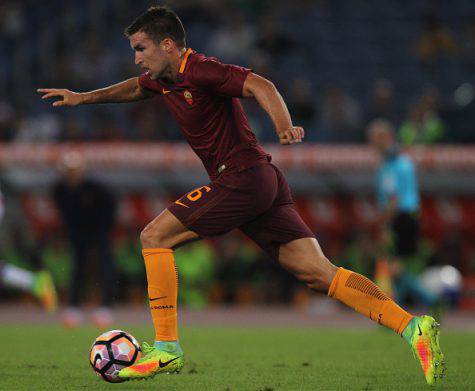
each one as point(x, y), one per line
point(51, 358)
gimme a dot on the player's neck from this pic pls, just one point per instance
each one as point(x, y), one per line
point(171, 76)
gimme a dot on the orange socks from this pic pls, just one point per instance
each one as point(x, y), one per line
point(162, 280)
point(361, 294)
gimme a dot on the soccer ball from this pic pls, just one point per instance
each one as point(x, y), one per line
point(113, 351)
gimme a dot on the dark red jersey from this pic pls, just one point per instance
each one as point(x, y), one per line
point(204, 101)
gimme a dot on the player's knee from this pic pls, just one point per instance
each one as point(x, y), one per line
point(152, 237)
point(318, 274)
point(146, 238)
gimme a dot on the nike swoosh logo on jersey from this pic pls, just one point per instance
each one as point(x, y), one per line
point(164, 364)
point(420, 331)
point(156, 298)
point(164, 91)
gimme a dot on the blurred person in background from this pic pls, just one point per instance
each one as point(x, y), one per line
point(399, 200)
point(301, 103)
point(423, 124)
point(246, 191)
point(88, 211)
point(234, 40)
point(7, 121)
point(39, 284)
point(272, 41)
point(436, 41)
point(467, 44)
point(381, 104)
point(340, 116)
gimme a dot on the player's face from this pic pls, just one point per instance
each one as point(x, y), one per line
point(149, 55)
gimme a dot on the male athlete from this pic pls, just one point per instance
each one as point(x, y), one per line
point(246, 191)
point(39, 284)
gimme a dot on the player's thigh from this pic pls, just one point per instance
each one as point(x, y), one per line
point(213, 210)
point(166, 231)
point(278, 226)
point(285, 237)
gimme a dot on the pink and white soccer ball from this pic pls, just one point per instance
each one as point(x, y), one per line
point(112, 351)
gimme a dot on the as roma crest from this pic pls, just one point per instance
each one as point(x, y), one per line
point(188, 97)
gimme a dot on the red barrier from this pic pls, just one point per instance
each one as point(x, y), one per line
point(165, 156)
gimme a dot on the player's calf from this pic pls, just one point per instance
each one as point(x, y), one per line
point(305, 260)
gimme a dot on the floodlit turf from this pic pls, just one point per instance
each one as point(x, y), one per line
point(51, 358)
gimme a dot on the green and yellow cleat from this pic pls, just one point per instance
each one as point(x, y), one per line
point(45, 291)
point(153, 362)
point(425, 345)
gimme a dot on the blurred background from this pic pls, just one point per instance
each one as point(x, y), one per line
point(338, 64)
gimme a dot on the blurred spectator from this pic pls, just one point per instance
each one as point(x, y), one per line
point(96, 55)
point(80, 45)
point(12, 19)
point(271, 39)
point(340, 116)
point(423, 125)
point(467, 44)
point(435, 41)
point(301, 103)
point(381, 104)
point(44, 127)
point(88, 211)
point(234, 41)
point(7, 121)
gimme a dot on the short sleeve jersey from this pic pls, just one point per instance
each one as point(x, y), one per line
point(205, 103)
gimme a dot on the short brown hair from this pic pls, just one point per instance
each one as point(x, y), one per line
point(159, 22)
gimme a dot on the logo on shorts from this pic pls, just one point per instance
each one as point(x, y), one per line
point(178, 202)
point(188, 97)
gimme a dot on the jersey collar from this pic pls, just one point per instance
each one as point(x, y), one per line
point(184, 61)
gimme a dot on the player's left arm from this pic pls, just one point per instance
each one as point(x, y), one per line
point(269, 98)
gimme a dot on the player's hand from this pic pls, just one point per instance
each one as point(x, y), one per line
point(293, 135)
point(68, 98)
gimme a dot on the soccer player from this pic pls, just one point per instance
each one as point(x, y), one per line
point(39, 284)
point(246, 191)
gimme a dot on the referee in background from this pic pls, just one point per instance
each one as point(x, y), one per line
point(398, 198)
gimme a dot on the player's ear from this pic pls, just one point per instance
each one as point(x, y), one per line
point(167, 45)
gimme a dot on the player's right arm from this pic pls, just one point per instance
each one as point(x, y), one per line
point(234, 81)
point(126, 91)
